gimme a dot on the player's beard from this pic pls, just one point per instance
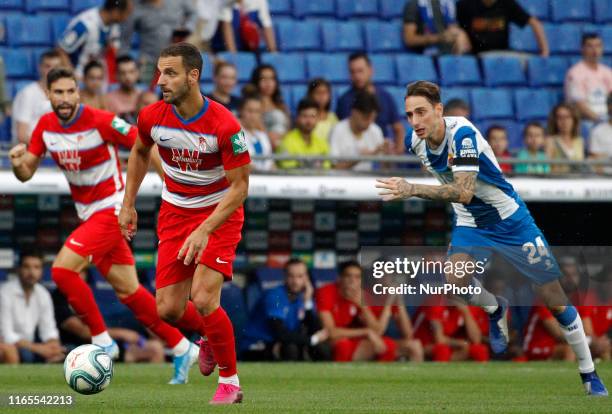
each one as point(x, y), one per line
point(176, 98)
point(57, 109)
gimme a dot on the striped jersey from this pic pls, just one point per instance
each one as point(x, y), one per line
point(86, 151)
point(464, 149)
point(195, 152)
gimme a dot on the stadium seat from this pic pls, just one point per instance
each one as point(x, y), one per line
point(503, 71)
point(555, 95)
point(39, 5)
point(279, 7)
point(537, 8)
point(298, 92)
point(602, 11)
point(17, 63)
point(491, 103)
point(531, 104)
point(571, 10)
point(356, 8)
point(321, 277)
point(78, 6)
point(455, 93)
point(383, 36)
point(287, 97)
point(29, 31)
point(342, 36)
point(411, 68)
point(313, 8)
point(268, 277)
point(2, 31)
point(11, 4)
point(523, 39)
point(58, 26)
point(290, 67)
point(245, 63)
point(298, 35)
point(459, 70)
point(384, 69)
point(547, 71)
point(207, 70)
point(233, 302)
point(563, 38)
point(391, 9)
point(399, 97)
point(332, 67)
point(514, 130)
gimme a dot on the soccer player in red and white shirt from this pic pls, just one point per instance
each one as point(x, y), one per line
point(83, 142)
point(206, 176)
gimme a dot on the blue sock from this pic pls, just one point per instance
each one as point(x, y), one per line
point(568, 316)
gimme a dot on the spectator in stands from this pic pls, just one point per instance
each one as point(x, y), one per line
point(430, 26)
point(564, 141)
point(242, 24)
point(319, 90)
point(286, 320)
point(600, 142)
point(497, 137)
point(487, 23)
point(93, 84)
point(225, 77)
point(351, 325)
point(5, 102)
point(31, 102)
point(358, 135)
point(8, 354)
point(123, 101)
point(27, 321)
point(388, 119)
point(275, 112)
point(302, 140)
point(94, 35)
point(457, 107)
point(258, 142)
point(156, 22)
point(533, 137)
point(588, 82)
point(146, 98)
point(208, 13)
point(543, 338)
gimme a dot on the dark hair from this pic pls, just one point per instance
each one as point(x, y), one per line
point(92, 65)
point(314, 84)
point(345, 265)
point(293, 261)
point(359, 55)
point(121, 5)
point(532, 124)
point(365, 102)
point(456, 103)
point(220, 64)
point(552, 128)
point(588, 36)
point(124, 59)
point(495, 127)
point(30, 252)
point(190, 55)
point(427, 90)
point(49, 54)
point(277, 97)
point(56, 74)
point(306, 103)
point(248, 94)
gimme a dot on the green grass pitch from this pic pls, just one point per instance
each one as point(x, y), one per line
point(325, 387)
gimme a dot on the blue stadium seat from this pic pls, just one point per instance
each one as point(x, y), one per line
point(322, 277)
point(58, 26)
point(459, 70)
point(555, 95)
point(342, 36)
point(537, 8)
point(268, 277)
point(207, 71)
point(384, 69)
point(245, 63)
point(279, 7)
point(298, 35)
point(77, 6)
point(563, 38)
point(287, 97)
point(606, 35)
point(3, 36)
point(332, 67)
point(39, 5)
point(233, 302)
point(314, 8)
point(547, 71)
point(531, 104)
point(29, 31)
point(298, 92)
point(490, 103)
point(383, 36)
point(514, 130)
point(399, 97)
point(503, 71)
point(523, 39)
point(391, 9)
point(411, 68)
point(571, 10)
point(290, 67)
point(11, 4)
point(17, 63)
point(356, 8)
point(602, 11)
point(455, 93)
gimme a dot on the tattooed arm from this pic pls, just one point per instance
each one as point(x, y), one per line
point(461, 190)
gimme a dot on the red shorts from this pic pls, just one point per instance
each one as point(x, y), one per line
point(100, 238)
point(539, 353)
point(174, 225)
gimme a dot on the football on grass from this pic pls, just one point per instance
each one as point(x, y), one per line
point(88, 369)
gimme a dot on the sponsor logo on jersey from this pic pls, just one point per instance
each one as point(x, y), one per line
point(120, 126)
point(186, 159)
point(467, 149)
point(69, 159)
point(239, 144)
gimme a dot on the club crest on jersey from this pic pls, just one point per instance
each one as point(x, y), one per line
point(203, 146)
point(239, 144)
point(186, 159)
point(69, 159)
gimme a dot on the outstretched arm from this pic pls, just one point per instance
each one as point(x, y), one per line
point(461, 190)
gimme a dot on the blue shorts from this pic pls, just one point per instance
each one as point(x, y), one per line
point(517, 238)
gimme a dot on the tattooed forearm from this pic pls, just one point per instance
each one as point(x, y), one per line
point(461, 190)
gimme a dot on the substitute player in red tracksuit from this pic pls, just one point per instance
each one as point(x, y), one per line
point(206, 171)
point(83, 142)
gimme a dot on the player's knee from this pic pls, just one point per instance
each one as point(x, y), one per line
point(169, 312)
point(205, 302)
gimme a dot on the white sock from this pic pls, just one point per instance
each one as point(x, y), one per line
point(233, 380)
point(486, 300)
point(180, 348)
point(575, 337)
point(103, 339)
